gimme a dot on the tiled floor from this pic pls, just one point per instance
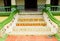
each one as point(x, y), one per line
point(30, 38)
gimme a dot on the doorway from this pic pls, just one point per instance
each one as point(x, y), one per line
point(7, 3)
point(30, 4)
point(54, 2)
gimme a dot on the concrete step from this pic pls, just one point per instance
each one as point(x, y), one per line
point(30, 20)
point(30, 12)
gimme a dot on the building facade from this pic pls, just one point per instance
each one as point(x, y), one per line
point(29, 4)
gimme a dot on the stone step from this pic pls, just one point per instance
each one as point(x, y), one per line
point(30, 30)
point(30, 12)
point(30, 20)
point(31, 24)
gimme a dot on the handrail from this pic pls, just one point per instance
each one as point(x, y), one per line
point(20, 7)
point(13, 12)
point(54, 20)
point(5, 10)
point(52, 17)
point(2, 24)
point(55, 8)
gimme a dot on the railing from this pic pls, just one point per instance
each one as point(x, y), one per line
point(41, 7)
point(9, 19)
point(20, 7)
point(5, 9)
point(49, 13)
point(55, 8)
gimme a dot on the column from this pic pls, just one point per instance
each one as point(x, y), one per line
point(48, 1)
point(13, 2)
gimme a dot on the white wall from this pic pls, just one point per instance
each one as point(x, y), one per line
point(48, 1)
point(13, 2)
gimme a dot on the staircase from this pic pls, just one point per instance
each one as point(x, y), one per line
point(29, 27)
point(30, 20)
point(29, 23)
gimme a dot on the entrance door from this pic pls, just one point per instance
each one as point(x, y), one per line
point(30, 4)
point(54, 2)
point(7, 3)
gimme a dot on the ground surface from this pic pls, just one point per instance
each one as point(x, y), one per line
point(30, 38)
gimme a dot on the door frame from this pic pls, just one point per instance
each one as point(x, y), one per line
point(7, 3)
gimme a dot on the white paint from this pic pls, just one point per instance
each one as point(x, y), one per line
point(29, 32)
point(47, 1)
point(53, 29)
point(13, 2)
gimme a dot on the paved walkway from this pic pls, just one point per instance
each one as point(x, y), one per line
point(30, 38)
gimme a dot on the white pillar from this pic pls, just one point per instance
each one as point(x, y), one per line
point(48, 1)
point(13, 2)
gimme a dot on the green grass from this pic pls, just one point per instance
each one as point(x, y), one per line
point(4, 37)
